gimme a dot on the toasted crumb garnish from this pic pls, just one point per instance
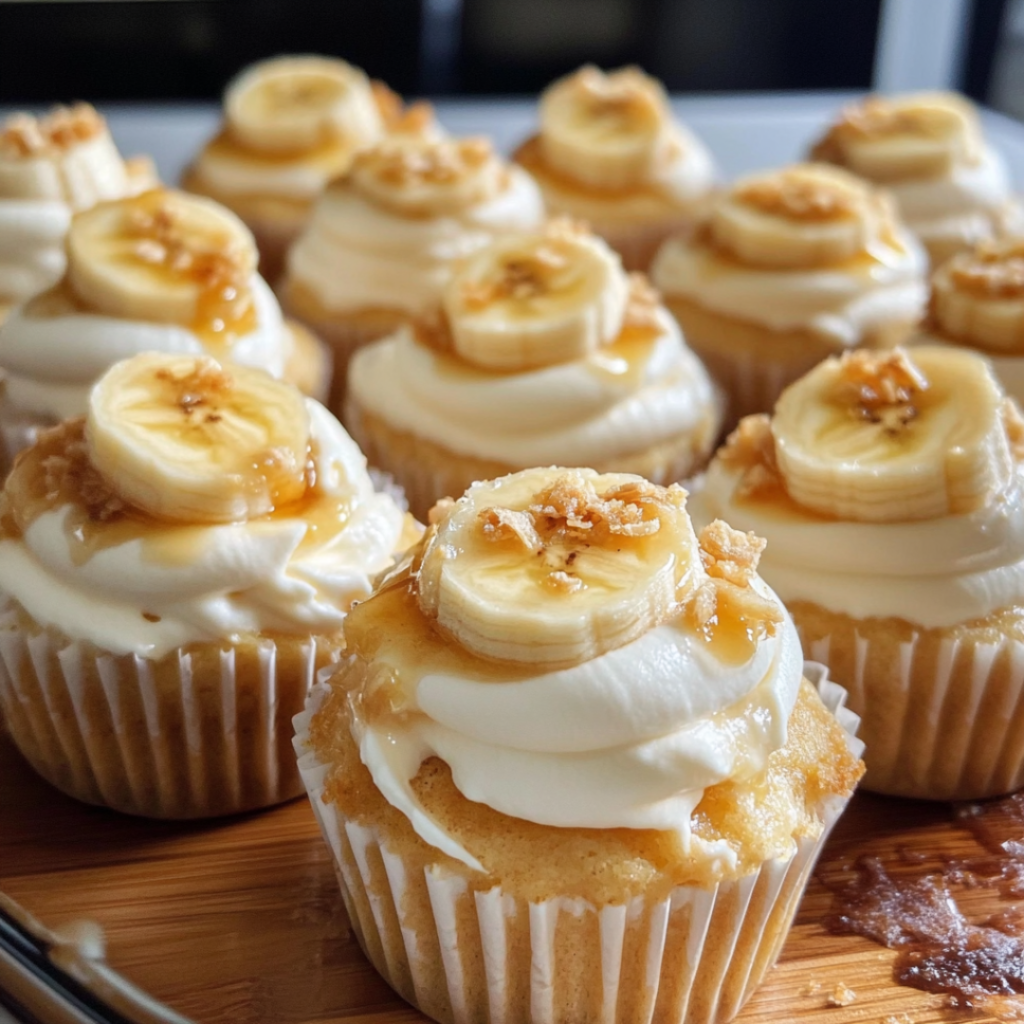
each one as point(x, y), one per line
point(397, 117)
point(1013, 424)
point(23, 135)
point(192, 390)
point(881, 387)
point(751, 449)
point(878, 117)
point(801, 194)
point(507, 524)
point(628, 96)
point(71, 477)
point(730, 554)
point(643, 303)
point(841, 995)
point(572, 506)
point(993, 270)
point(443, 161)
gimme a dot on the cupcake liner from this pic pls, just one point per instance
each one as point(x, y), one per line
point(942, 718)
point(692, 957)
point(165, 739)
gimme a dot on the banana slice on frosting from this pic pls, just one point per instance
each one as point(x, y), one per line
point(424, 175)
point(806, 215)
point(537, 300)
point(892, 436)
point(295, 104)
point(606, 129)
point(556, 566)
point(920, 135)
point(978, 297)
point(67, 156)
point(161, 256)
point(183, 438)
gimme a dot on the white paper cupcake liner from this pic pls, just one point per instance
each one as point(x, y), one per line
point(693, 957)
point(941, 723)
point(101, 729)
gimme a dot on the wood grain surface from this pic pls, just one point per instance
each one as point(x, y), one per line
point(241, 920)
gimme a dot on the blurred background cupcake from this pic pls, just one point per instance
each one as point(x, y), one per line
point(162, 271)
point(50, 168)
point(174, 569)
point(889, 489)
point(951, 187)
point(384, 238)
point(544, 352)
point(291, 124)
point(610, 152)
point(789, 267)
point(575, 750)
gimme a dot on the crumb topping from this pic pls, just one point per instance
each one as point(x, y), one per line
point(878, 117)
point(398, 118)
point(750, 448)
point(993, 270)
point(441, 162)
point(643, 303)
point(730, 559)
point(23, 135)
point(199, 387)
point(841, 995)
point(627, 97)
point(802, 195)
point(880, 388)
point(70, 474)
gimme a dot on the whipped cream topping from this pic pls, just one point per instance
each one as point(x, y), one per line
point(31, 246)
point(177, 584)
point(52, 350)
point(581, 412)
point(934, 572)
point(358, 254)
point(840, 303)
point(629, 739)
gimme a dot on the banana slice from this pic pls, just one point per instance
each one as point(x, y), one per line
point(893, 436)
point(185, 439)
point(295, 104)
point(536, 300)
point(605, 129)
point(807, 215)
point(556, 566)
point(921, 135)
point(978, 297)
point(161, 256)
point(423, 175)
point(67, 156)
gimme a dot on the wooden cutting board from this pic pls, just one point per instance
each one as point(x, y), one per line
point(241, 921)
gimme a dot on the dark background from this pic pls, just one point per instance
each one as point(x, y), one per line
point(188, 49)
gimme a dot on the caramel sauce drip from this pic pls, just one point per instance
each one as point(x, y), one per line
point(916, 912)
point(56, 472)
point(225, 306)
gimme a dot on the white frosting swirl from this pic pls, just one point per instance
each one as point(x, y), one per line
point(53, 356)
point(211, 582)
point(31, 246)
point(935, 572)
point(840, 303)
point(356, 254)
point(627, 740)
point(577, 413)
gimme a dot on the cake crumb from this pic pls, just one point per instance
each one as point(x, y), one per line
point(898, 1018)
point(812, 988)
point(841, 995)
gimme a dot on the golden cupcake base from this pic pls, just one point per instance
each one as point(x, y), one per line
point(427, 471)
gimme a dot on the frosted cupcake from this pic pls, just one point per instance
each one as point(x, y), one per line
point(544, 352)
point(51, 167)
point(574, 756)
point(174, 569)
point(383, 239)
point(162, 271)
point(291, 124)
point(610, 152)
point(790, 267)
point(977, 301)
point(927, 150)
point(889, 489)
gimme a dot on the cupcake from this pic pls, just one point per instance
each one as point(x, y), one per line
point(610, 152)
point(977, 302)
point(791, 266)
point(927, 150)
point(572, 770)
point(889, 489)
point(544, 352)
point(161, 271)
point(383, 239)
point(291, 124)
point(175, 568)
point(51, 167)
